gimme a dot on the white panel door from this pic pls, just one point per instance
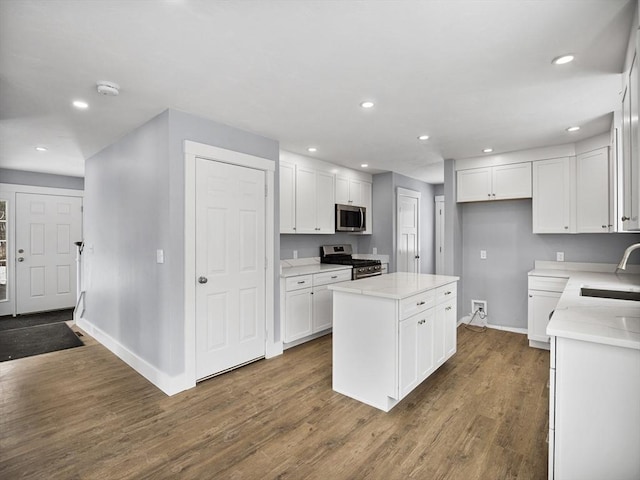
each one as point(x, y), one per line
point(46, 228)
point(408, 254)
point(230, 264)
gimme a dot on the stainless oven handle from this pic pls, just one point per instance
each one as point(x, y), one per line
point(375, 274)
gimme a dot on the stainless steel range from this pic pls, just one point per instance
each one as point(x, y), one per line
point(342, 255)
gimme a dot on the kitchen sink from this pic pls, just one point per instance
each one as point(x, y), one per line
point(615, 294)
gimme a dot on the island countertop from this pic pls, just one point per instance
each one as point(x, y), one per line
point(397, 285)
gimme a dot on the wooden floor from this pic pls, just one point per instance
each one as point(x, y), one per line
point(83, 414)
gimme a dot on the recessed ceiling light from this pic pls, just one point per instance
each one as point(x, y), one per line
point(367, 104)
point(573, 129)
point(80, 105)
point(423, 137)
point(561, 60)
point(41, 149)
point(487, 150)
point(364, 165)
point(312, 149)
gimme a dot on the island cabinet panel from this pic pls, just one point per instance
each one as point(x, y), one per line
point(385, 345)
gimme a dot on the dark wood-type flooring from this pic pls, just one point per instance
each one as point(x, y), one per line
point(83, 414)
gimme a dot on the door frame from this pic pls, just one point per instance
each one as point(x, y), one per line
point(404, 192)
point(193, 150)
point(8, 192)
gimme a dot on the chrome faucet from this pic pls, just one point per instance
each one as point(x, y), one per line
point(625, 257)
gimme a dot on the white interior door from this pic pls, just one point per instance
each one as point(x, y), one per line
point(230, 265)
point(408, 215)
point(439, 215)
point(46, 228)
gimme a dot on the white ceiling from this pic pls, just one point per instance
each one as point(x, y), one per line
point(470, 74)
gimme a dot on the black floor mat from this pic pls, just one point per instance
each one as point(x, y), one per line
point(29, 341)
point(8, 322)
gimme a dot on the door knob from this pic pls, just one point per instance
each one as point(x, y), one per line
point(203, 280)
point(21, 251)
point(21, 259)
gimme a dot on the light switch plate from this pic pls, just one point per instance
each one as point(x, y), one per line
point(375, 250)
point(159, 256)
point(483, 254)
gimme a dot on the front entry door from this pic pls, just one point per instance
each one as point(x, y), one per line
point(46, 228)
point(230, 265)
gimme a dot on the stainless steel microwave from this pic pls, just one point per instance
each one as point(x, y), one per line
point(350, 218)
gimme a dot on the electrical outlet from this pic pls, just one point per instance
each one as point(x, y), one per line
point(295, 254)
point(479, 305)
point(375, 250)
point(559, 256)
point(483, 254)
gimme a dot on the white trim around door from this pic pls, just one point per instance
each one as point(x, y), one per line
point(192, 151)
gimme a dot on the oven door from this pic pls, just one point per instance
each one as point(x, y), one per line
point(350, 218)
point(366, 272)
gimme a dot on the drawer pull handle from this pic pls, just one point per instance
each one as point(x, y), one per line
point(447, 293)
point(301, 282)
point(335, 276)
point(421, 303)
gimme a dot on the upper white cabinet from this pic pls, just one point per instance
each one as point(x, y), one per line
point(308, 189)
point(629, 211)
point(314, 201)
point(553, 196)
point(349, 191)
point(499, 182)
point(592, 192)
point(287, 197)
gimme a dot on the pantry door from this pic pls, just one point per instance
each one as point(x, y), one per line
point(230, 266)
point(46, 228)
point(408, 227)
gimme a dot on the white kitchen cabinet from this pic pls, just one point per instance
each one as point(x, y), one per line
point(594, 412)
point(314, 209)
point(500, 182)
point(592, 192)
point(307, 304)
point(544, 293)
point(287, 197)
point(349, 191)
point(384, 346)
point(630, 208)
point(554, 195)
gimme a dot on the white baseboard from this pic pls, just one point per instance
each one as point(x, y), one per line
point(520, 330)
point(167, 383)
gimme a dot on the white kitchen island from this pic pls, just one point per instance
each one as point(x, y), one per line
point(390, 333)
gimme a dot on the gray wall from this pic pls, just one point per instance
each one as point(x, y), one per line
point(438, 189)
point(20, 177)
point(309, 245)
point(503, 229)
point(134, 204)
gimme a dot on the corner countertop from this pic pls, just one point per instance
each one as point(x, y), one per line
point(599, 320)
point(396, 286)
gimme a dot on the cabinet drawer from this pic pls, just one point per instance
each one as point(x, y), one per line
point(548, 284)
point(296, 283)
point(326, 278)
point(446, 292)
point(417, 303)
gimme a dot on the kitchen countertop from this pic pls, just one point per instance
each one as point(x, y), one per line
point(397, 285)
point(311, 268)
point(600, 320)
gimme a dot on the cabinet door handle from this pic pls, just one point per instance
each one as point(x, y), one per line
point(625, 218)
point(421, 303)
point(530, 296)
point(420, 322)
point(604, 226)
point(448, 308)
point(566, 227)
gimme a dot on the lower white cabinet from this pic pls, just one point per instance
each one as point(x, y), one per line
point(306, 306)
point(594, 412)
point(544, 293)
point(383, 348)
